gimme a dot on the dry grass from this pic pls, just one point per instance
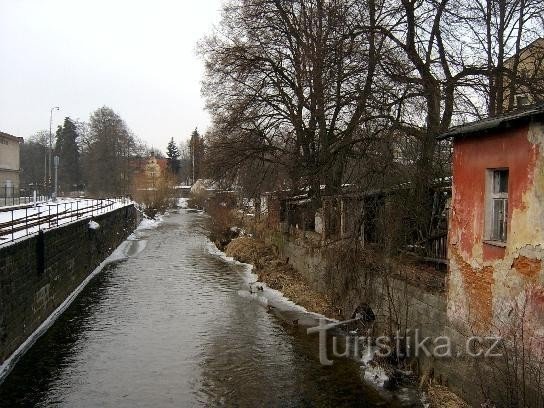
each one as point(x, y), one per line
point(441, 397)
point(279, 275)
point(417, 273)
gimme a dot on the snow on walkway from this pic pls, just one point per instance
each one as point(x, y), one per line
point(20, 222)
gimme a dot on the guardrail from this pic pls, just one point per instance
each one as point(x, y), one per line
point(24, 220)
point(15, 195)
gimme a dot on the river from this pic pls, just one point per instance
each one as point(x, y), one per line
point(173, 325)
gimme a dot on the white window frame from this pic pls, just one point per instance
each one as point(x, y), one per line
point(493, 196)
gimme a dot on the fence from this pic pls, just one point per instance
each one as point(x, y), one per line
point(380, 218)
point(15, 195)
point(28, 219)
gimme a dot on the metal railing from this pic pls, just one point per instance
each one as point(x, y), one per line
point(25, 220)
point(15, 195)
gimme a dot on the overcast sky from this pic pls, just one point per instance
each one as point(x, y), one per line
point(137, 57)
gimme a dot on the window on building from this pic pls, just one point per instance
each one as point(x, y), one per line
point(497, 206)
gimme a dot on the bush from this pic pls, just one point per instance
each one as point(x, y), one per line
point(221, 224)
point(157, 199)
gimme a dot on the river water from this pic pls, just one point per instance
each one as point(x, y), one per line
point(173, 325)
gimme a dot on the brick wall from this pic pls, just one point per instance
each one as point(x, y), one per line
point(38, 273)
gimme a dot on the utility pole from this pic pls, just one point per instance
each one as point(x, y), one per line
point(56, 162)
point(193, 149)
point(44, 169)
point(50, 143)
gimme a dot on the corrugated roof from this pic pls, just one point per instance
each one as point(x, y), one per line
point(505, 121)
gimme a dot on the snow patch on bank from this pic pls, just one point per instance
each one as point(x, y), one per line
point(183, 202)
point(130, 247)
point(94, 225)
point(150, 223)
point(375, 375)
point(267, 296)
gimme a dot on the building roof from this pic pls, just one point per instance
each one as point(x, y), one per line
point(140, 163)
point(501, 122)
point(10, 137)
point(534, 47)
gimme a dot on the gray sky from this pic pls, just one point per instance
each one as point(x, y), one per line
point(137, 57)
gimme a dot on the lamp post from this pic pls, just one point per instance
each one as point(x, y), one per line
point(193, 149)
point(56, 162)
point(50, 141)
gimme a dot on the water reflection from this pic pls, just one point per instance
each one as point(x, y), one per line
point(168, 327)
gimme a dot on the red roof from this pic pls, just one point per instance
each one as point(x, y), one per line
point(139, 163)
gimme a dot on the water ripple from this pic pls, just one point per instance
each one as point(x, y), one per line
point(174, 326)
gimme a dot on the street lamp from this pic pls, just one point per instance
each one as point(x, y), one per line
point(193, 151)
point(51, 141)
point(56, 162)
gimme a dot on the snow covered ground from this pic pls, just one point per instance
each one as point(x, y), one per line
point(16, 222)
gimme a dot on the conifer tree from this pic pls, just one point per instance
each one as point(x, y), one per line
point(66, 147)
point(173, 154)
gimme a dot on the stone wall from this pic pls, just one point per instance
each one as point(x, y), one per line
point(38, 273)
point(395, 303)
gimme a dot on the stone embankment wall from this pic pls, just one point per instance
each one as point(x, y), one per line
point(38, 273)
point(396, 303)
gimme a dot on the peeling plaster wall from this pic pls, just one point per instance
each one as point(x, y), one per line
point(488, 284)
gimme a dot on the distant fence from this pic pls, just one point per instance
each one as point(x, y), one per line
point(17, 195)
point(377, 218)
point(24, 220)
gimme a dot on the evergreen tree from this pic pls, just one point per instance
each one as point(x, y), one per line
point(66, 147)
point(173, 154)
point(196, 151)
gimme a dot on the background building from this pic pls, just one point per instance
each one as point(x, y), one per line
point(527, 71)
point(9, 164)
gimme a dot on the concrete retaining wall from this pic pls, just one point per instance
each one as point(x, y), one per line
point(394, 302)
point(38, 273)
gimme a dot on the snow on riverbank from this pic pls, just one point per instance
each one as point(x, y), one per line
point(183, 202)
point(266, 296)
point(372, 373)
point(128, 248)
point(150, 223)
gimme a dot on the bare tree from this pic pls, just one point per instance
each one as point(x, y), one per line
point(108, 144)
point(297, 76)
point(496, 34)
point(333, 91)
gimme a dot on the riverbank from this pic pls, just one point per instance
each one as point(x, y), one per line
point(175, 325)
point(276, 273)
point(279, 275)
